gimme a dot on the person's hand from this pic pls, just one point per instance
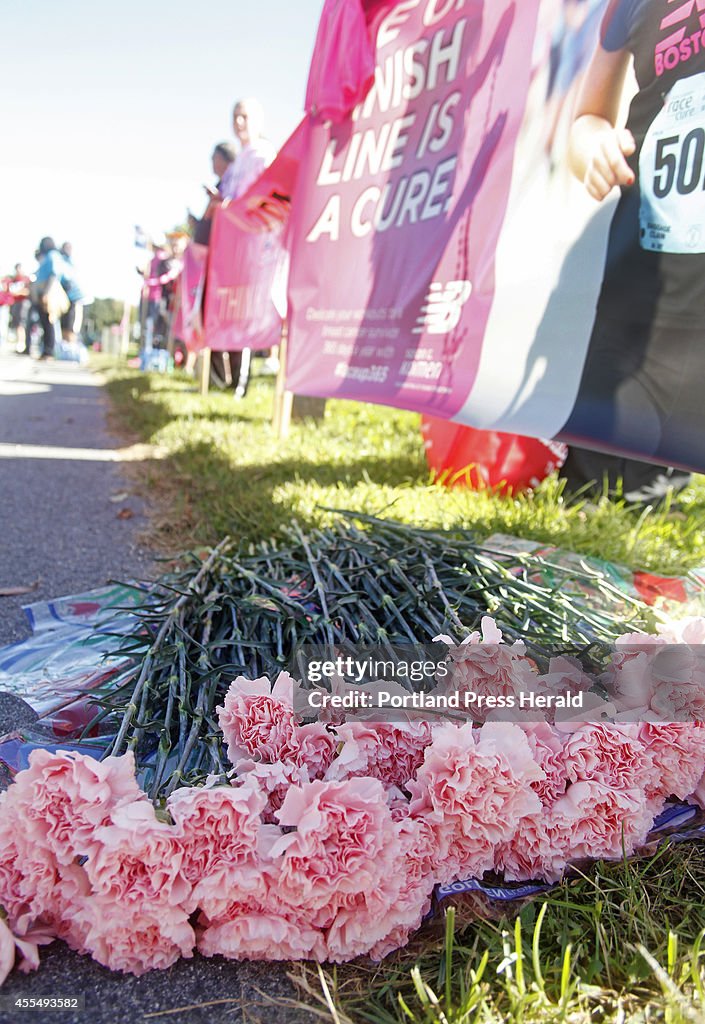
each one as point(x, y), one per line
point(608, 165)
point(266, 213)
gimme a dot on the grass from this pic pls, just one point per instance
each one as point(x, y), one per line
point(222, 470)
point(624, 942)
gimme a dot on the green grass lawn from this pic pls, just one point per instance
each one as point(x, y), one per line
point(620, 943)
point(222, 470)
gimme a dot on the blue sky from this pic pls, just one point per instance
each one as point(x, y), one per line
point(109, 113)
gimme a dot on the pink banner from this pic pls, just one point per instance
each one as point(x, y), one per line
point(192, 281)
point(397, 216)
point(245, 271)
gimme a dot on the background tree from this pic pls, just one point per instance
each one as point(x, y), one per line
point(104, 313)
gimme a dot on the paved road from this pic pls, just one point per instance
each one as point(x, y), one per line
point(63, 530)
point(67, 519)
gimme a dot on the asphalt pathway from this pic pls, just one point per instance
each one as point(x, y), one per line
point(69, 523)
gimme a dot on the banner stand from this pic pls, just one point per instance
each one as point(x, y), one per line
point(125, 337)
point(176, 307)
point(143, 313)
point(283, 399)
point(205, 371)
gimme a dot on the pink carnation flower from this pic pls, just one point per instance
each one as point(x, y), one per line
point(565, 676)
point(639, 641)
point(71, 892)
point(628, 682)
point(678, 687)
point(409, 907)
point(678, 753)
point(135, 938)
point(379, 919)
point(345, 921)
point(538, 850)
point(137, 859)
point(316, 748)
point(612, 755)
point(590, 821)
point(597, 820)
point(219, 832)
point(388, 751)
point(667, 679)
point(373, 923)
point(486, 666)
point(273, 781)
point(63, 797)
point(28, 869)
point(258, 720)
point(690, 630)
point(546, 744)
point(474, 787)
point(34, 887)
point(254, 931)
point(23, 940)
point(345, 842)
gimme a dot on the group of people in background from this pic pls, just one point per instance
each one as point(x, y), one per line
point(236, 169)
point(159, 293)
point(236, 166)
point(235, 175)
point(49, 304)
point(14, 307)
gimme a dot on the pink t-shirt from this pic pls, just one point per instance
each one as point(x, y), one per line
point(343, 62)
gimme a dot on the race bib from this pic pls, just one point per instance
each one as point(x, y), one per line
point(672, 172)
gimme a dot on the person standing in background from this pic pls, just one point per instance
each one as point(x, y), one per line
point(18, 286)
point(223, 163)
point(5, 307)
point(72, 320)
point(256, 153)
point(643, 378)
point(52, 268)
point(162, 272)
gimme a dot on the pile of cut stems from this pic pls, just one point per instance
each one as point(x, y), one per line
point(364, 581)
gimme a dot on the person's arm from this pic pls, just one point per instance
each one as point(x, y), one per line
point(170, 274)
point(597, 149)
point(214, 203)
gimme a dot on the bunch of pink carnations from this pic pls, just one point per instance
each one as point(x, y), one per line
point(326, 839)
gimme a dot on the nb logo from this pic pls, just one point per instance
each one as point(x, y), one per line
point(443, 306)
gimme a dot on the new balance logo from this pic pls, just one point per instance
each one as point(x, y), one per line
point(443, 306)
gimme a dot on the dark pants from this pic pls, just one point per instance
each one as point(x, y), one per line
point(231, 370)
point(641, 392)
point(18, 313)
point(48, 333)
point(594, 472)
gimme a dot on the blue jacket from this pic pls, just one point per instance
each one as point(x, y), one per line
point(54, 264)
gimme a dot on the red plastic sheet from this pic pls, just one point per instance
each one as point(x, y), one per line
point(463, 456)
